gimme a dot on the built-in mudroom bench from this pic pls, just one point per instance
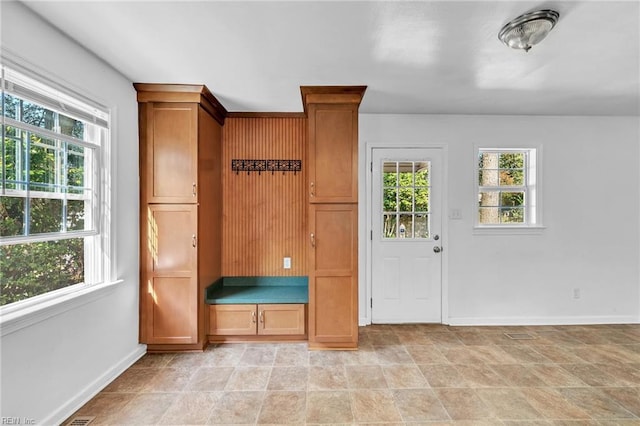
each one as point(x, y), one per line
point(258, 308)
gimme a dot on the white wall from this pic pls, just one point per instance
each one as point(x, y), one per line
point(591, 212)
point(50, 368)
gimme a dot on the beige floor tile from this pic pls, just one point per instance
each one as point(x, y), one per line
point(404, 376)
point(556, 376)
point(591, 374)
point(332, 407)
point(426, 354)
point(132, 380)
point(223, 356)
point(508, 404)
point(480, 375)
point(518, 375)
point(413, 338)
point(418, 405)
point(374, 406)
point(552, 405)
point(629, 398)
point(248, 378)
point(296, 355)
point(383, 338)
point(170, 380)
point(444, 339)
point(258, 355)
point(237, 407)
point(463, 404)
point(323, 358)
point(153, 361)
point(190, 408)
point(393, 355)
point(596, 403)
point(625, 375)
point(209, 379)
point(144, 409)
point(289, 378)
point(559, 354)
point(365, 377)
point(365, 355)
point(443, 376)
point(525, 354)
point(186, 360)
point(281, 407)
point(597, 353)
point(104, 405)
point(464, 355)
point(327, 378)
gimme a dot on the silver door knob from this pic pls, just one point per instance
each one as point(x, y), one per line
point(437, 249)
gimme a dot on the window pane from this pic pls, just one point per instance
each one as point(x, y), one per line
point(71, 127)
point(405, 199)
point(11, 216)
point(75, 168)
point(390, 203)
point(389, 222)
point(405, 229)
point(75, 215)
point(489, 215)
point(422, 174)
point(46, 215)
point(488, 160)
point(43, 166)
point(13, 159)
point(512, 160)
point(489, 199)
point(488, 177)
point(28, 270)
point(422, 199)
point(512, 215)
point(422, 226)
point(512, 198)
point(511, 177)
point(389, 175)
point(405, 174)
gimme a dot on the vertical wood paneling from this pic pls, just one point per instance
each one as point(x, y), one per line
point(264, 216)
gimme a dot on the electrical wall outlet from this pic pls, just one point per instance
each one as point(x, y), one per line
point(286, 263)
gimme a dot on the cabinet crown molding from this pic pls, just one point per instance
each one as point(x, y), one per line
point(198, 93)
point(331, 95)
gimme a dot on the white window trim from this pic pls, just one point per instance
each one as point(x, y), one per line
point(25, 313)
point(534, 193)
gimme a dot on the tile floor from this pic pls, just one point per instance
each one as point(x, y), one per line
point(402, 374)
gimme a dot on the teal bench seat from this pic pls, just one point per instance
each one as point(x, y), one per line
point(254, 290)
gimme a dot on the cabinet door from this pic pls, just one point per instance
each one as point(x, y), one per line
point(281, 319)
point(228, 320)
point(333, 153)
point(333, 275)
point(170, 286)
point(170, 153)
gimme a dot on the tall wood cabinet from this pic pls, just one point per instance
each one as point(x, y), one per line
point(180, 212)
point(333, 214)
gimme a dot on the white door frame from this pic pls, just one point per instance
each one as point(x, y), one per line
point(368, 226)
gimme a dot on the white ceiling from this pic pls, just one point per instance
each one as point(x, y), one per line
point(415, 57)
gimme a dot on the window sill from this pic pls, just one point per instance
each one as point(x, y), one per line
point(21, 315)
point(508, 230)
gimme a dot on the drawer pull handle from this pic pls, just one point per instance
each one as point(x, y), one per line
point(313, 240)
point(193, 240)
point(313, 189)
point(262, 317)
point(194, 189)
point(253, 317)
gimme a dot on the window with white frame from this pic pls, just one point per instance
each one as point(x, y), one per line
point(506, 183)
point(50, 193)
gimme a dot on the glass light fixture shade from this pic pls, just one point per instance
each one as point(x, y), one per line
point(529, 29)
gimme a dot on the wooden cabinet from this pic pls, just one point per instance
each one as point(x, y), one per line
point(262, 319)
point(333, 215)
point(333, 284)
point(180, 247)
point(333, 157)
point(169, 278)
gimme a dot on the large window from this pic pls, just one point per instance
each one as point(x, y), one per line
point(506, 187)
point(50, 194)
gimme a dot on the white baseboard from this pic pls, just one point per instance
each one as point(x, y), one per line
point(84, 396)
point(364, 321)
point(623, 319)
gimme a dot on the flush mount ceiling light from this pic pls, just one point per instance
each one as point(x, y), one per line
point(529, 29)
